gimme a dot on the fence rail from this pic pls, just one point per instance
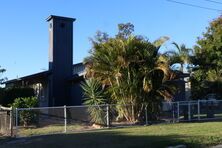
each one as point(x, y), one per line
point(49, 120)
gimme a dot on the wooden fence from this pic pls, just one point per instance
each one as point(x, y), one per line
point(6, 121)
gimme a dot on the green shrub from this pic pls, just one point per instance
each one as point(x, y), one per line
point(2, 94)
point(94, 96)
point(26, 117)
point(8, 95)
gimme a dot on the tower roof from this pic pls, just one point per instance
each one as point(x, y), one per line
point(60, 17)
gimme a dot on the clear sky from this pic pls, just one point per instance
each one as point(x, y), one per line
point(24, 30)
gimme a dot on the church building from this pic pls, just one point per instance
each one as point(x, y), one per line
point(60, 84)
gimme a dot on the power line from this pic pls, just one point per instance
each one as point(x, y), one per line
point(192, 5)
point(212, 1)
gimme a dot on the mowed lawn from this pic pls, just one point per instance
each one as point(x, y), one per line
point(189, 134)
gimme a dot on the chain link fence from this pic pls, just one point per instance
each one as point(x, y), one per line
point(50, 120)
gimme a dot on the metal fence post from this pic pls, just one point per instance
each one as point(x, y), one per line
point(11, 121)
point(198, 109)
point(178, 111)
point(65, 119)
point(173, 112)
point(189, 117)
point(146, 116)
point(107, 116)
point(16, 122)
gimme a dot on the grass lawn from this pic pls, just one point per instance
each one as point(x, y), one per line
point(190, 134)
point(52, 129)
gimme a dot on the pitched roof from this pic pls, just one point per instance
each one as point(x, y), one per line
point(78, 71)
point(31, 78)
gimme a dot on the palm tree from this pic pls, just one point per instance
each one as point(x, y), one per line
point(181, 56)
point(132, 70)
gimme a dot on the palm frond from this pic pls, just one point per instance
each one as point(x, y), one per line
point(159, 42)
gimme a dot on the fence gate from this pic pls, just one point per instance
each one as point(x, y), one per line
point(6, 121)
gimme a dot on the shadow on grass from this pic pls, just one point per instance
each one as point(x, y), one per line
point(107, 139)
point(5, 139)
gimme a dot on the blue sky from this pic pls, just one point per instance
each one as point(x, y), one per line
point(24, 30)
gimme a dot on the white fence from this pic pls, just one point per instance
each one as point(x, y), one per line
point(50, 120)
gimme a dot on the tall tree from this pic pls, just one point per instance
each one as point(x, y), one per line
point(207, 78)
point(2, 70)
point(132, 70)
point(2, 90)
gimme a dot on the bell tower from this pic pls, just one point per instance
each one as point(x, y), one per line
point(60, 59)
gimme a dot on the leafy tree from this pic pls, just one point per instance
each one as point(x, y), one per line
point(2, 70)
point(132, 70)
point(125, 30)
point(8, 95)
point(2, 90)
point(207, 76)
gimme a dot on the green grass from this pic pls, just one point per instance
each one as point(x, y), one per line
point(190, 134)
point(52, 129)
